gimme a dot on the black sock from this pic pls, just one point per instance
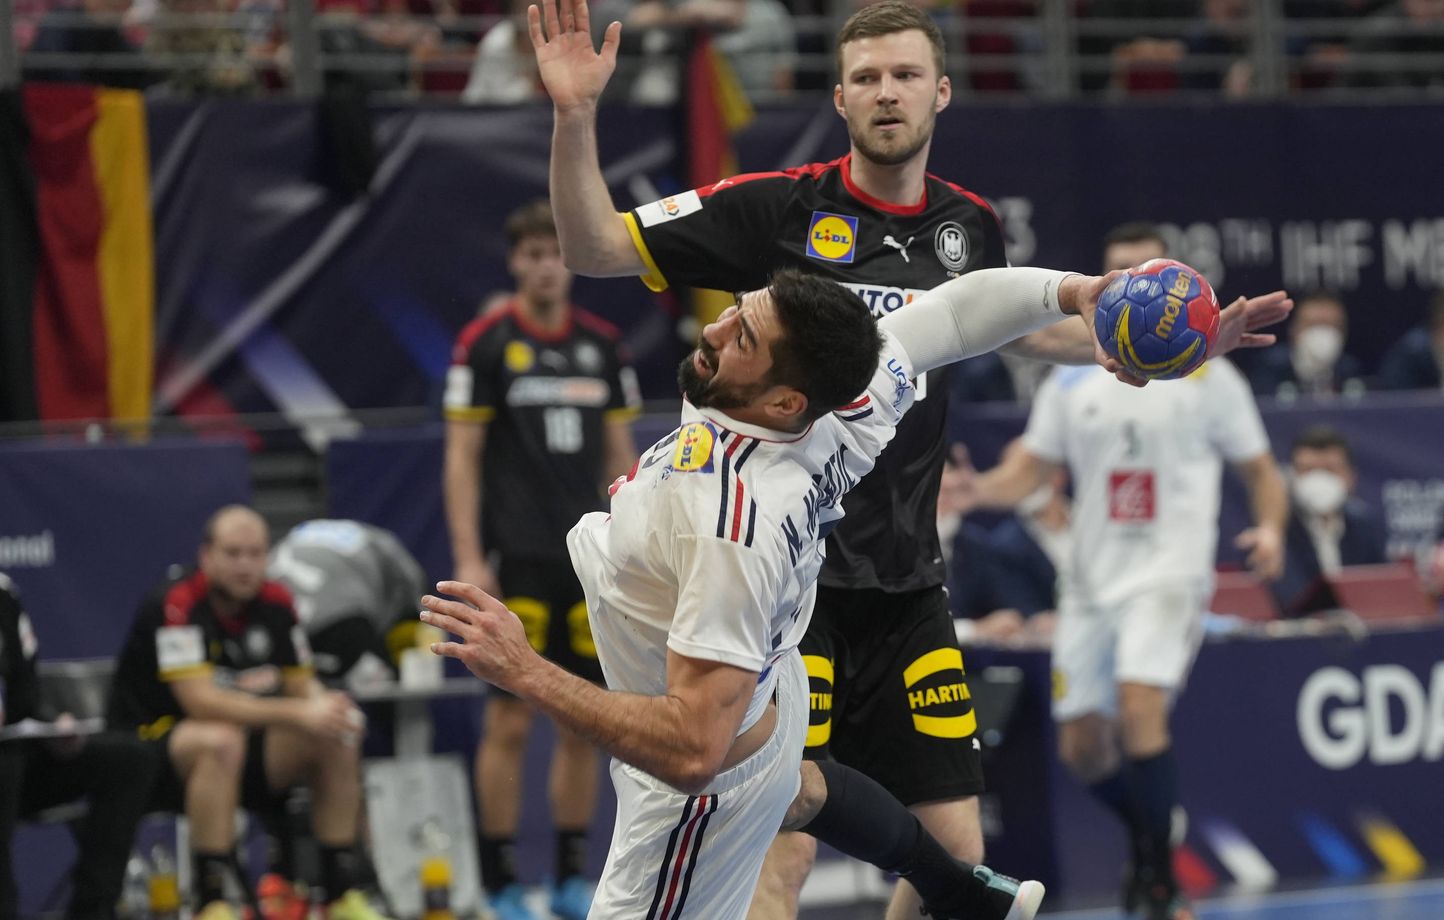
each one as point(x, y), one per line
point(1155, 786)
point(571, 853)
point(498, 862)
point(340, 871)
point(212, 870)
point(861, 819)
point(1117, 792)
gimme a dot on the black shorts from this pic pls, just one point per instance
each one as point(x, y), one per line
point(547, 598)
point(888, 693)
point(256, 793)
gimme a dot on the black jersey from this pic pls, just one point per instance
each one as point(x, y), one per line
point(19, 686)
point(733, 235)
point(177, 633)
point(545, 398)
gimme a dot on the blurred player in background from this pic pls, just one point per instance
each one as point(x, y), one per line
point(539, 402)
point(352, 584)
point(1145, 466)
point(217, 673)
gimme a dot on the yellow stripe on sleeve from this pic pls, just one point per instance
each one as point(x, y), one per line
point(653, 279)
point(192, 670)
point(469, 413)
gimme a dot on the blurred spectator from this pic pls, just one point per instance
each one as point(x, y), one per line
point(763, 48)
point(1139, 59)
point(1409, 35)
point(1416, 361)
point(211, 54)
point(1004, 580)
point(1131, 244)
point(1218, 49)
point(112, 771)
point(994, 47)
point(1328, 526)
point(653, 38)
point(1315, 362)
point(90, 27)
point(504, 69)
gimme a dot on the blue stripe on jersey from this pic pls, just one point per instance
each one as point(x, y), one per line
point(858, 417)
point(726, 482)
point(746, 452)
point(751, 521)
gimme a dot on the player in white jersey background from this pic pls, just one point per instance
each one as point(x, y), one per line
point(1145, 466)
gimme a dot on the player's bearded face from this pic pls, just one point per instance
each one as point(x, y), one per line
point(888, 136)
point(890, 94)
point(702, 388)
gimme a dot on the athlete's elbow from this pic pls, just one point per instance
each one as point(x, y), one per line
point(693, 776)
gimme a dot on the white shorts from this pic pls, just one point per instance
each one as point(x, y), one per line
point(675, 856)
point(1150, 639)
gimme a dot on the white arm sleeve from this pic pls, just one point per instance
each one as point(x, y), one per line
point(975, 313)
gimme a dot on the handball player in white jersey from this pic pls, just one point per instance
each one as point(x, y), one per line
point(699, 585)
point(1146, 467)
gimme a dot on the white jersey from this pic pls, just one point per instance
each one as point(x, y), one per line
point(713, 544)
point(1146, 466)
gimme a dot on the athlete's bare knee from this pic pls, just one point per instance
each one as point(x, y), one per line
point(1086, 746)
point(811, 793)
point(221, 746)
point(508, 724)
point(1143, 719)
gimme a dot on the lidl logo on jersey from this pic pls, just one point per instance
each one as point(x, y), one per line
point(832, 237)
point(694, 448)
point(518, 357)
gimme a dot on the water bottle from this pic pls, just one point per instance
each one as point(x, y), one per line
point(135, 891)
point(164, 889)
point(435, 873)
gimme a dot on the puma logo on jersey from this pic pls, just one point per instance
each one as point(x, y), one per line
point(902, 248)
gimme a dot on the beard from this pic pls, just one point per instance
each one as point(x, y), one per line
point(709, 393)
point(898, 151)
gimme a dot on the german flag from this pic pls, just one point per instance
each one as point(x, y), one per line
point(77, 299)
point(717, 109)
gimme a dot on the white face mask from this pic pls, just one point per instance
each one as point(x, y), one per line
point(1320, 492)
point(1317, 348)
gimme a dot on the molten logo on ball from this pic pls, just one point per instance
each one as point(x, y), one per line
point(1159, 319)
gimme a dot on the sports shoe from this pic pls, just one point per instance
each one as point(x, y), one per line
point(217, 910)
point(510, 904)
point(280, 900)
point(572, 899)
point(353, 905)
point(1162, 905)
point(1007, 898)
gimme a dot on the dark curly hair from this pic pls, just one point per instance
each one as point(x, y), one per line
point(829, 344)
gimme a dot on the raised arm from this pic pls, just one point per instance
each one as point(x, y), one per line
point(983, 310)
point(594, 238)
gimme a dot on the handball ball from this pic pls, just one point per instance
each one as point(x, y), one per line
point(1159, 320)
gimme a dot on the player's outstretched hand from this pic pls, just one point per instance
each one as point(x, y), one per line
point(1265, 548)
point(492, 643)
point(1087, 304)
point(573, 73)
point(1239, 322)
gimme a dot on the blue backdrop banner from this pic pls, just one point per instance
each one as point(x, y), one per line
point(86, 531)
